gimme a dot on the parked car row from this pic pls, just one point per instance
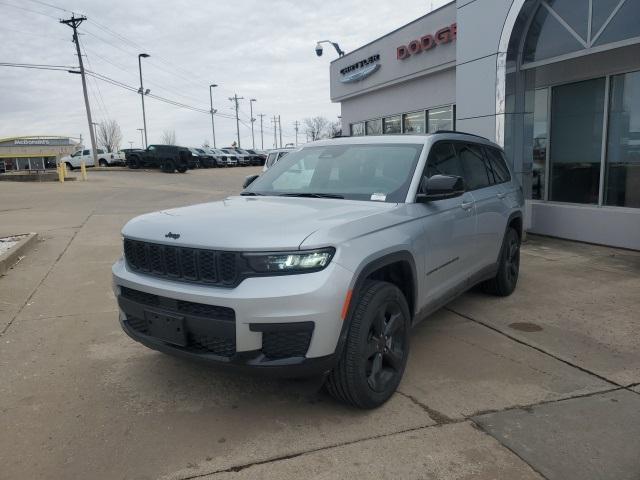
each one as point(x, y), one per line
point(169, 158)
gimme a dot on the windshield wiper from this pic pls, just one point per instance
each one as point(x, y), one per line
point(250, 194)
point(311, 195)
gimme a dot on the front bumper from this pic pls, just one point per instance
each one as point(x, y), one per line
point(286, 325)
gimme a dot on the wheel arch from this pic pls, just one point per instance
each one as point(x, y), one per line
point(398, 268)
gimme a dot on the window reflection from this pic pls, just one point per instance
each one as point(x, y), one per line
point(577, 113)
point(392, 125)
point(540, 125)
point(413, 122)
point(440, 119)
point(623, 145)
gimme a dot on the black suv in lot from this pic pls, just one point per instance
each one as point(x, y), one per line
point(168, 158)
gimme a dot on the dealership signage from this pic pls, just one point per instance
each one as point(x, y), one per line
point(428, 42)
point(360, 70)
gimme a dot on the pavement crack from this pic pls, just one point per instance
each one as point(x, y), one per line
point(541, 350)
point(478, 427)
point(238, 468)
point(46, 275)
point(436, 416)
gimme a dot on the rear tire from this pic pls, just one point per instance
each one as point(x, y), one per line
point(168, 166)
point(103, 163)
point(505, 281)
point(133, 163)
point(375, 353)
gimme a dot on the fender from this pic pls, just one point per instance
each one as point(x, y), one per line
point(387, 259)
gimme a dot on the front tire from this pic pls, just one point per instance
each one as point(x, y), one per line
point(103, 163)
point(504, 283)
point(375, 353)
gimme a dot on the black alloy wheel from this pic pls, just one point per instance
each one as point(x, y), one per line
point(376, 349)
point(506, 279)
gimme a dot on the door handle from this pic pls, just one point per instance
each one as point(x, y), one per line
point(501, 195)
point(466, 205)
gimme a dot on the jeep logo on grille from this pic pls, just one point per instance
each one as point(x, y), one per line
point(175, 236)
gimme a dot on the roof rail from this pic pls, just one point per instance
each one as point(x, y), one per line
point(462, 133)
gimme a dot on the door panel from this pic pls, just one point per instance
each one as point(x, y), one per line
point(489, 205)
point(449, 229)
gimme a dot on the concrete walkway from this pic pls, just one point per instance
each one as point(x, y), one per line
point(543, 384)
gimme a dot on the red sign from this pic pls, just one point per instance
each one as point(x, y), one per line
point(427, 42)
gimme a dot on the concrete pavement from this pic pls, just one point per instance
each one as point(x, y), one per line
point(79, 399)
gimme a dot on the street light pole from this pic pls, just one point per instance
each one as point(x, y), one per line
point(253, 139)
point(213, 125)
point(95, 132)
point(235, 99)
point(141, 130)
point(142, 94)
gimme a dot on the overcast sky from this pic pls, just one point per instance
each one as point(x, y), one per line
point(257, 49)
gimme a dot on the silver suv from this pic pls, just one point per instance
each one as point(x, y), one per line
point(324, 263)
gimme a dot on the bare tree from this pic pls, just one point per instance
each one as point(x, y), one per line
point(335, 129)
point(316, 127)
point(109, 135)
point(168, 137)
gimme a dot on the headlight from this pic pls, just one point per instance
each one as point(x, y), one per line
point(292, 262)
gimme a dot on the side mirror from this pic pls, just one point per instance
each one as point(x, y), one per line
point(440, 187)
point(249, 180)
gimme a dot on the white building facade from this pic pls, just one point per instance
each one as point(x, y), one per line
point(556, 82)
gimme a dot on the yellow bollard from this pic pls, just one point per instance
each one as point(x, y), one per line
point(60, 172)
point(83, 169)
point(64, 170)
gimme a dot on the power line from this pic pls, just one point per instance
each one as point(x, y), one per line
point(28, 10)
point(38, 66)
point(51, 6)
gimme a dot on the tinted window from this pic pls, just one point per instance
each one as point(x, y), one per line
point(497, 165)
point(443, 161)
point(85, 152)
point(100, 150)
point(271, 159)
point(476, 174)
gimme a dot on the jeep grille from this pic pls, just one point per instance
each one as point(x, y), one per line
point(194, 265)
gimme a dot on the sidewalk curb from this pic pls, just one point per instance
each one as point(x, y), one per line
point(10, 258)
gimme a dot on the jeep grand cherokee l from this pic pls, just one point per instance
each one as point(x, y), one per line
point(324, 263)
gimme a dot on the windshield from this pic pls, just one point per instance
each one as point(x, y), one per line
point(376, 172)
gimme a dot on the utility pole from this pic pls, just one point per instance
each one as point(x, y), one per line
point(235, 99)
point(296, 124)
point(95, 131)
point(74, 22)
point(274, 122)
point(253, 139)
point(261, 132)
point(213, 111)
point(280, 126)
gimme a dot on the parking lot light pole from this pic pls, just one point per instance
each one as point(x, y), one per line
point(142, 94)
point(213, 111)
point(253, 139)
point(141, 130)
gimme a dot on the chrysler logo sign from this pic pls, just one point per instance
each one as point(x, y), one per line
point(360, 70)
point(427, 42)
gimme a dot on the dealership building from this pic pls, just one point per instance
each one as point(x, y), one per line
point(34, 152)
point(555, 82)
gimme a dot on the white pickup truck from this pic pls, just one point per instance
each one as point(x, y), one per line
point(105, 159)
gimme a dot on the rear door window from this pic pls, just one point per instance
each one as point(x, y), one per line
point(271, 159)
point(473, 163)
point(497, 165)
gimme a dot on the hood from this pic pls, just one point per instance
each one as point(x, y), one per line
point(251, 223)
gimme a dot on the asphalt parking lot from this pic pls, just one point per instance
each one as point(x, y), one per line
point(543, 384)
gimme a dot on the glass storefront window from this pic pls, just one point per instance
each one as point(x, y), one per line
point(577, 113)
point(540, 125)
point(374, 127)
point(622, 169)
point(413, 123)
point(392, 125)
point(440, 119)
point(357, 129)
